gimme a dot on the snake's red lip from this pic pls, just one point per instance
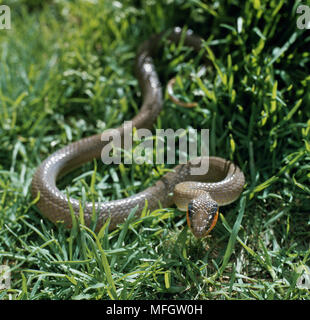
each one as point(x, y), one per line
point(213, 222)
point(188, 217)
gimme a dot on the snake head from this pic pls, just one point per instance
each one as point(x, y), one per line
point(202, 214)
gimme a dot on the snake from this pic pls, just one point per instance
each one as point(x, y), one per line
point(200, 196)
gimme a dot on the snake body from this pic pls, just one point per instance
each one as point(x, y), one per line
point(225, 184)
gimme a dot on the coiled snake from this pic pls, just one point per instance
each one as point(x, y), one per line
point(199, 199)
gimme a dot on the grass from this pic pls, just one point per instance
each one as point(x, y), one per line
point(66, 72)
